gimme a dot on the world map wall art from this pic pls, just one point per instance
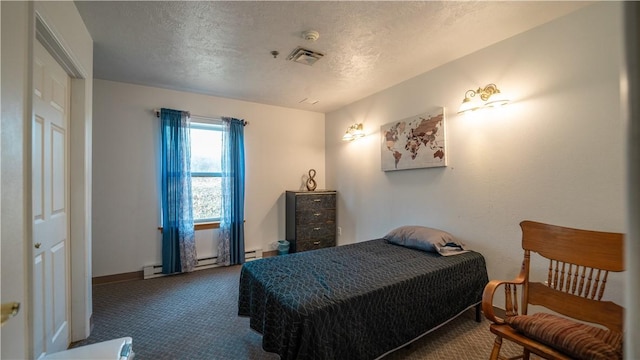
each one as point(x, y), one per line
point(414, 142)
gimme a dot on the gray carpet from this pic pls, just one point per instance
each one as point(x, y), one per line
point(194, 316)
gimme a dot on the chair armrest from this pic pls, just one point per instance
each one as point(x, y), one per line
point(487, 298)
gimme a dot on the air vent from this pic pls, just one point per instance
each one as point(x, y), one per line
point(304, 56)
point(308, 101)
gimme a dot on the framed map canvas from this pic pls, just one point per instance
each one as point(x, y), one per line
point(414, 142)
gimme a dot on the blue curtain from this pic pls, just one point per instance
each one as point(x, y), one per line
point(178, 237)
point(231, 238)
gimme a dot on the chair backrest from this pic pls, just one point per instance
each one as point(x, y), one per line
point(579, 264)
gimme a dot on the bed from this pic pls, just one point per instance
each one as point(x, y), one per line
point(358, 301)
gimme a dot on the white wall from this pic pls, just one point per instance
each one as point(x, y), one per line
point(15, 259)
point(631, 108)
point(281, 146)
point(556, 154)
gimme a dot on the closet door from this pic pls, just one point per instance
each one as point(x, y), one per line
point(50, 185)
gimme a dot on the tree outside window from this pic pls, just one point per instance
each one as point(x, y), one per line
point(206, 171)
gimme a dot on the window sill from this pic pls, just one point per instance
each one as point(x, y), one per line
point(202, 226)
point(207, 225)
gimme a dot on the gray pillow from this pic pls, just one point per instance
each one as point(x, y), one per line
point(425, 239)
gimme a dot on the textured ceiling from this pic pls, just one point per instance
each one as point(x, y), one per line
point(223, 48)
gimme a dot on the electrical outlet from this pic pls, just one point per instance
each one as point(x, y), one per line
point(339, 231)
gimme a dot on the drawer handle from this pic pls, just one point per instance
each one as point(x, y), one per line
point(316, 243)
point(317, 228)
point(317, 200)
point(317, 214)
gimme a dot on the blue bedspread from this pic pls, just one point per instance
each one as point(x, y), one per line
point(356, 301)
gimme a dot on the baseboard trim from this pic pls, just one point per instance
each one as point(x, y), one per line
point(107, 279)
point(139, 275)
point(499, 312)
point(270, 253)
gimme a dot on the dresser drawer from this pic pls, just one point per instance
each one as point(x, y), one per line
point(315, 232)
point(316, 201)
point(315, 244)
point(319, 216)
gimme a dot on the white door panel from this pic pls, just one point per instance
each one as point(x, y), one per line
point(50, 204)
point(38, 170)
point(58, 170)
point(38, 77)
point(39, 330)
point(58, 278)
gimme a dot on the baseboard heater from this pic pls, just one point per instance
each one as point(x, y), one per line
point(154, 271)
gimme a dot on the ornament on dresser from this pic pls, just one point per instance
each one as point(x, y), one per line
point(311, 184)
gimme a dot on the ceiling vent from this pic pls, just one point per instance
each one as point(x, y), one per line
point(304, 56)
point(308, 101)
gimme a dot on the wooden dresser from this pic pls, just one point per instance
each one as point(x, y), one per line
point(310, 219)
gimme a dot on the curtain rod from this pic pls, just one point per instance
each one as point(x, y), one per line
point(157, 112)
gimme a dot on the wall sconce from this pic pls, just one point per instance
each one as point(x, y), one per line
point(489, 96)
point(354, 131)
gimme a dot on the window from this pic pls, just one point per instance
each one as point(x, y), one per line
point(206, 171)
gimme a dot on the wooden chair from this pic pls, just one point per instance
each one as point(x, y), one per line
point(579, 263)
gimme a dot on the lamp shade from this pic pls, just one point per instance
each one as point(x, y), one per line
point(469, 105)
point(497, 99)
point(489, 96)
point(354, 131)
point(358, 132)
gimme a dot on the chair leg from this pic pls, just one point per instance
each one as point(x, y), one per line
point(495, 353)
point(525, 354)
